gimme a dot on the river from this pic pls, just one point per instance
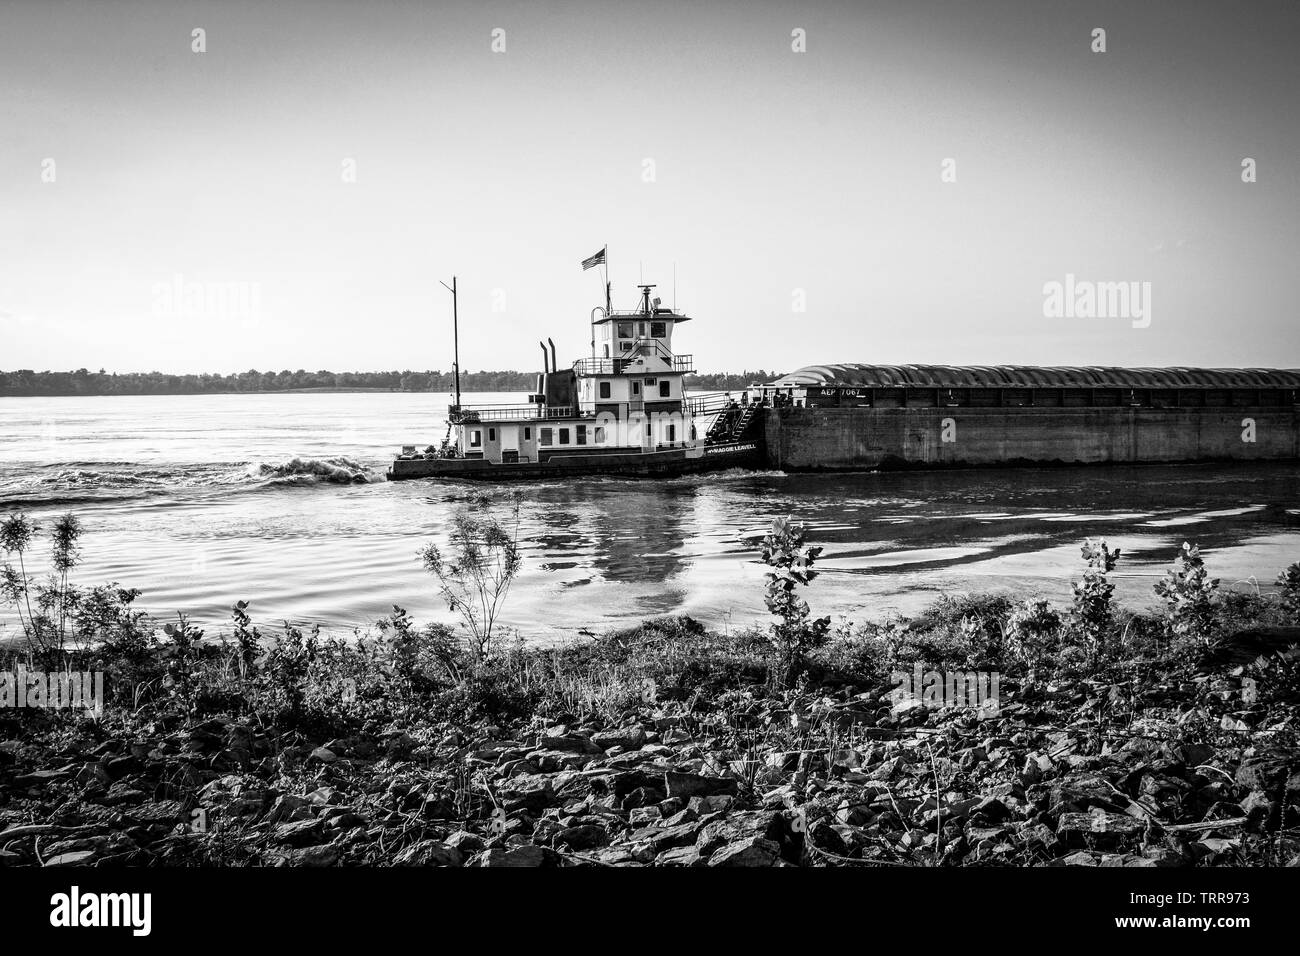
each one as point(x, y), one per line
point(200, 501)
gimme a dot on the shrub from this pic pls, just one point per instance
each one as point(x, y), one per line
point(1188, 595)
point(182, 661)
point(1033, 632)
point(286, 667)
point(475, 574)
point(248, 641)
point(48, 612)
point(1092, 615)
point(791, 563)
point(1289, 583)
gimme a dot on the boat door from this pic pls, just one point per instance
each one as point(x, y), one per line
point(509, 444)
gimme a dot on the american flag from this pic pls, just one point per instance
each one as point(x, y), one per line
point(597, 260)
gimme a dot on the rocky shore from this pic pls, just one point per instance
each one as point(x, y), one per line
point(1157, 769)
point(984, 732)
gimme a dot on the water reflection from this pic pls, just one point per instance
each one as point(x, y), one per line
point(623, 531)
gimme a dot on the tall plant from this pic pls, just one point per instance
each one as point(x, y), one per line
point(475, 572)
point(1289, 583)
point(1093, 614)
point(1188, 595)
point(790, 561)
point(47, 611)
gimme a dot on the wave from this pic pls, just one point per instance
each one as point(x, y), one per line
point(67, 485)
point(339, 471)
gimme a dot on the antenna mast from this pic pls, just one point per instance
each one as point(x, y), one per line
point(455, 336)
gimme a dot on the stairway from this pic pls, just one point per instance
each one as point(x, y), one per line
point(734, 423)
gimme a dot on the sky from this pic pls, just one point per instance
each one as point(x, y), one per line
point(901, 190)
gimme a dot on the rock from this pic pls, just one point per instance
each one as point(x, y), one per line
point(1098, 826)
point(288, 807)
point(1078, 858)
point(324, 797)
point(313, 856)
point(681, 856)
point(163, 811)
point(659, 839)
point(532, 792)
point(299, 833)
point(682, 816)
point(399, 744)
point(1263, 771)
point(992, 809)
point(672, 806)
point(826, 836)
point(853, 814)
point(628, 738)
point(735, 827)
point(1035, 766)
point(429, 853)
point(551, 761)
point(1259, 809)
point(322, 755)
point(122, 794)
point(524, 856)
point(585, 837)
point(119, 767)
point(689, 785)
point(573, 743)
point(700, 806)
point(465, 842)
point(751, 851)
point(640, 797)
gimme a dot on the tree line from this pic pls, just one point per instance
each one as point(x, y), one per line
point(26, 382)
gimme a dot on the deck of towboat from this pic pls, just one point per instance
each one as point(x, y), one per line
point(665, 463)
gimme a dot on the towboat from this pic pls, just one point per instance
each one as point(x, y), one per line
point(624, 411)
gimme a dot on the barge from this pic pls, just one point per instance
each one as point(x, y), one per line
point(623, 411)
point(855, 417)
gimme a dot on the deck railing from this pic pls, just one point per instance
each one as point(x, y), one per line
point(459, 414)
point(615, 366)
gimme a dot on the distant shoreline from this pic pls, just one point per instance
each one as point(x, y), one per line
point(25, 383)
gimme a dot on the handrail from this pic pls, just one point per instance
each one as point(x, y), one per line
point(459, 414)
point(709, 404)
point(617, 366)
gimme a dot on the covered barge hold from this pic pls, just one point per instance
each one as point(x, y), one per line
point(882, 416)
